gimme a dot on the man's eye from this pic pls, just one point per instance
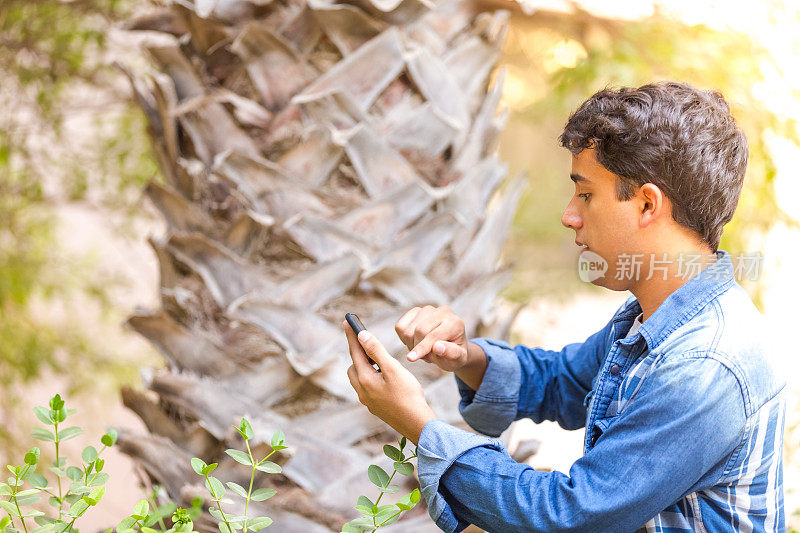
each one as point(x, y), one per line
point(584, 195)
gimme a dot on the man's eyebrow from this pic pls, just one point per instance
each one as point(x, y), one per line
point(577, 177)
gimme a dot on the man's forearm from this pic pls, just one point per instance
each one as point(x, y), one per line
point(472, 373)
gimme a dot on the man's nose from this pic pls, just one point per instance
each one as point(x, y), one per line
point(570, 218)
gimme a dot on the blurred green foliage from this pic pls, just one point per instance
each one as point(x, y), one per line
point(51, 49)
point(599, 53)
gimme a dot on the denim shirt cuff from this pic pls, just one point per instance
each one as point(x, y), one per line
point(493, 407)
point(440, 444)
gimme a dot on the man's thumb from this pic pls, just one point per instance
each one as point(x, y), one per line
point(449, 350)
point(374, 348)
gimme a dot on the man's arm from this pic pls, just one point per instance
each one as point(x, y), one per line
point(520, 382)
point(673, 439)
point(472, 373)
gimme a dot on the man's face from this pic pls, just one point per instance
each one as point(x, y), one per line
point(607, 226)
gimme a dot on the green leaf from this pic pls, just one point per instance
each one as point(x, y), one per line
point(126, 523)
point(223, 528)
point(378, 475)
point(240, 457)
point(32, 457)
point(209, 468)
point(269, 467)
point(198, 465)
point(89, 454)
point(262, 494)
point(78, 508)
point(391, 489)
point(109, 439)
point(38, 481)
point(43, 414)
point(259, 523)
point(4, 522)
point(277, 439)
point(359, 525)
point(384, 512)
point(58, 415)
point(394, 518)
point(247, 429)
point(404, 468)
point(9, 507)
point(415, 496)
point(98, 479)
point(98, 464)
point(364, 501)
point(141, 510)
point(214, 486)
point(97, 494)
point(69, 433)
point(403, 443)
point(43, 528)
point(238, 489)
point(43, 434)
point(28, 497)
point(56, 402)
point(74, 473)
point(79, 488)
point(392, 453)
point(42, 520)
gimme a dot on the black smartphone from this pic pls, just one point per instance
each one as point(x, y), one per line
point(358, 327)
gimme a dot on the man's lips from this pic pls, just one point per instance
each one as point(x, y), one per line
point(584, 247)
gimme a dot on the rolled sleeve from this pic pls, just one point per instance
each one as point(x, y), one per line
point(493, 407)
point(440, 444)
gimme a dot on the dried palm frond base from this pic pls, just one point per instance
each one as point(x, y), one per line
point(319, 158)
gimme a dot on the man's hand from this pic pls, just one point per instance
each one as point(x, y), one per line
point(394, 395)
point(436, 335)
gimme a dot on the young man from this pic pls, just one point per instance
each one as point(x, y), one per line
point(683, 412)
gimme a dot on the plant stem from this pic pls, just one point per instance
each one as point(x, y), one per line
point(58, 465)
point(152, 500)
point(219, 505)
point(381, 496)
point(16, 503)
point(387, 484)
point(69, 527)
point(250, 488)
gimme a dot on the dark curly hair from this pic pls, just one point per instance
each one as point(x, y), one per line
point(672, 135)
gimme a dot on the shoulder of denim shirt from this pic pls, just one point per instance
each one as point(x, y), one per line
point(713, 316)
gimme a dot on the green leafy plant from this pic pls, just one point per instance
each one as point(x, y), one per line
point(77, 488)
point(229, 523)
point(374, 514)
point(145, 521)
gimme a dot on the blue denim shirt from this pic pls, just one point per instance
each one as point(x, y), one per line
point(684, 425)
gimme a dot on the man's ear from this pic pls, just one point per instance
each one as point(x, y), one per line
point(654, 204)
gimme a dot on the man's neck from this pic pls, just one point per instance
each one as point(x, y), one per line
point(651, 293)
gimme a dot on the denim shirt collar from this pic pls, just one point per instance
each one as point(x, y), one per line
point(680, 306)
